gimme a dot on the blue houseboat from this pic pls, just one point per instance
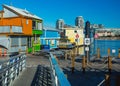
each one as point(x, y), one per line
point(50, 38)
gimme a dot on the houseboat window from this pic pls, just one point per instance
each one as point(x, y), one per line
point(46, 41)
point(39, 26)
point(61, 24)
point(34, 24)
point(52, 42)
point(14, 41)
point(27, 22)
point(29, 42)
point(23, 41)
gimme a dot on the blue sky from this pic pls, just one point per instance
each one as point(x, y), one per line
point(105, 12)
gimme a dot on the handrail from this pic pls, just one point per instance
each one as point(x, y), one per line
point(58, 76)
point(11, 68)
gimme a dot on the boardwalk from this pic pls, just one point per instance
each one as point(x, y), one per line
point(37, 72)
point(33, 69)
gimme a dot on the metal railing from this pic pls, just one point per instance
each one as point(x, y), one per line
point(11, 68)
point(59, 79)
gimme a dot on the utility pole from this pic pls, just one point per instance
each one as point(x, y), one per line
point(87, 41)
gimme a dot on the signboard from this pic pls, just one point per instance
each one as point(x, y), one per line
point(77, 36)
point(113, 50)
point(87, 41)
point(86, 48)
point(96, 36)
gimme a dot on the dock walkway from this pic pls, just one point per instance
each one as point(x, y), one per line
point(37, 72)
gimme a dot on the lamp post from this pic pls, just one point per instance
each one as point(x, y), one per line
point(77, 38)
point(87, 40)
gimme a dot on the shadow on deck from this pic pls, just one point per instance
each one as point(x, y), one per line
point(42, 77)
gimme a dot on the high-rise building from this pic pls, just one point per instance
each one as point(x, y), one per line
point(60, 24)
point(79, 22)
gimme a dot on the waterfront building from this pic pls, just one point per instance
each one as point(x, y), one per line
point(75, 35)
point(98, 26)
point(108, 32)
point(79, 22)
point(21, 28)
point(50, 38)
point(60, 24)
point(72, 34)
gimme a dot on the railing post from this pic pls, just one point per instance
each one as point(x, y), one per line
point(10, 70)
point(1, 75)
point(109, 64)
point(24, 62)
point(56, 80)
point(58, 76)
point(17, 70)
point(66, 55)
point(77, 50)
point(83, 64)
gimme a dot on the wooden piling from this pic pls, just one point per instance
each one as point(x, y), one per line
point(107, 80)
point(98, 52)
point(108, 51)
point(83, 64)
point(109, 64)
point(118, 53)
point(73, 59)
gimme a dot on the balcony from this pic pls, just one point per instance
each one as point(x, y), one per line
point(37, 32)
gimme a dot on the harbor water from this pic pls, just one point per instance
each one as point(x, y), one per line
point(103, 45)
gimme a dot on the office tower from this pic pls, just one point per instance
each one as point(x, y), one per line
point(60, 24)
point(79, 22)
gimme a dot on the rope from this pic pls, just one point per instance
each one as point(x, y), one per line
point(99, 67)
point(101, 83)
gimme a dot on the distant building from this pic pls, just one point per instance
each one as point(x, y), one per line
point(98, 26)
point(60, 24)
point(104, 32)
point(79, 22)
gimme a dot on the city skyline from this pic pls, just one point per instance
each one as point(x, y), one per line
point(104, 12)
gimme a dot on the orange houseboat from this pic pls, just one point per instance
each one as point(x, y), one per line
point(20, 29)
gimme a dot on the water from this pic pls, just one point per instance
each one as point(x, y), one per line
point(114, 45)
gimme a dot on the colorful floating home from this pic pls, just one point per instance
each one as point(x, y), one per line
point(75, 35)
point(20, 28)
point(50, 38)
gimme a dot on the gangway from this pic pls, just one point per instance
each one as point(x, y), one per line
point(12, 68)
